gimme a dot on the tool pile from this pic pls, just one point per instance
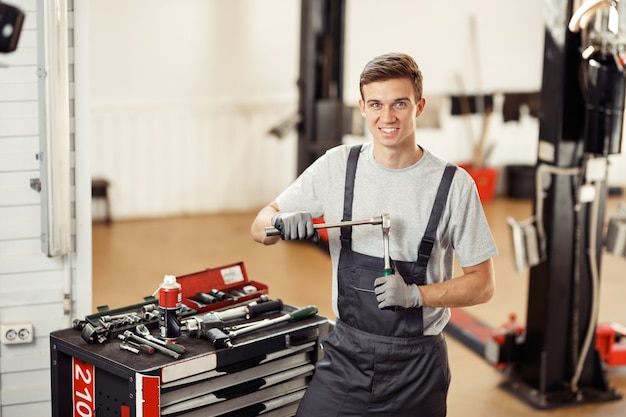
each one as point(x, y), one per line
point(240, 353)
point(100, 327)
point(218, 327)
point(241, 302)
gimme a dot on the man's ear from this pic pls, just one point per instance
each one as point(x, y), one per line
point(362, 107)
point(421, 104)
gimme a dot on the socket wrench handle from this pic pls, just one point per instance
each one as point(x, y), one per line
point(266, 307)
point(132, 336)
point(272, 231)
point(302, 313)
point(388, 269)
point(299, 314)
point(143, 330)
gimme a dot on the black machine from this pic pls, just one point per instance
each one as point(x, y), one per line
point(319, 120)
point(11, 20)
point(553, 361)
point(321, 108)
point(556, 362)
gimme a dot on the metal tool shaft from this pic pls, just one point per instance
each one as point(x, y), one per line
point(299, 314)
point(144, 332)
point(126, 346)
point(272, 231)
point(386, 225)
point(132, 336)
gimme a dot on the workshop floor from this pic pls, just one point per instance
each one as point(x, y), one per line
point(131, 257)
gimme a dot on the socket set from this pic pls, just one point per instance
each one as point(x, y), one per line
point(203, 291)
point(108, 323)
point(216, 288)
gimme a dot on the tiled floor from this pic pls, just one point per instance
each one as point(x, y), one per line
point(131, 257)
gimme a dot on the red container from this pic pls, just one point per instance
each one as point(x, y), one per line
point(227, 278)
point(486, 180)
point(170, 297)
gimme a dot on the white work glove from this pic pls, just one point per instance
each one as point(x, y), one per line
point(295, 226)
point(392, 291)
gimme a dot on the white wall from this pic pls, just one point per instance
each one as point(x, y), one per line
point(503, 52)
point(477, 47)
point(495, 46)
point(183, 96)
point(45, 292)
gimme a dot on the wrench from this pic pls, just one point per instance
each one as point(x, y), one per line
point(126, 346)
point(384, 220)
point(132, 336)
point(386, 225)
point(142, 330)
point(272, 231)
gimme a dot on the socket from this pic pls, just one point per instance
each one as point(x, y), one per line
point(14, 333)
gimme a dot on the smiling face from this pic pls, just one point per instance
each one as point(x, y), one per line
point(390, 109)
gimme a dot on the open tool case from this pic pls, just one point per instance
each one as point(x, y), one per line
point(264, 372)
point(231, 280)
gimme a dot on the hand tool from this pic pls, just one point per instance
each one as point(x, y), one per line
point(89, 332)
point(218, 338)
point(387, 270)
point(197, 326)
point(132, 336)
point(386, 225)
point(132, 317)
point(222, 336)
point(142, 348)
point(205, 298)
point(299, 314)
point(384, 220)
point(220, 295)
point(252, 309)
point(126, 346)
point(150, 312)
point(272, 231)
point(142, 330)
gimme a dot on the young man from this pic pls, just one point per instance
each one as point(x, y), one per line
point(386, 355)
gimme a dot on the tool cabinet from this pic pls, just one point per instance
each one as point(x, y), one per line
point(265, 373)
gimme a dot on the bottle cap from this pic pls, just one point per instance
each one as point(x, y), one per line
point(169, 280)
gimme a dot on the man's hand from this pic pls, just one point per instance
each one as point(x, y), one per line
point(295, 226)
point(392, 291)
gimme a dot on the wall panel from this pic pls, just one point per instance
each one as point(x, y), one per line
point(32, 286)
point(191, 159)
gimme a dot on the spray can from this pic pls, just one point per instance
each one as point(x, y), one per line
point(170, 298)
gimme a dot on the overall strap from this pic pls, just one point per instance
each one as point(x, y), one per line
point(348, 195)
point(426, 246)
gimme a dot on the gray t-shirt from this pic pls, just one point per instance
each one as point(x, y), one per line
point(407, 195)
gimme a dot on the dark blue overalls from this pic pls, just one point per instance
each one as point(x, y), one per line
point(378, 362)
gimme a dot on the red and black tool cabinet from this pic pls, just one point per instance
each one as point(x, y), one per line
point(265, 373)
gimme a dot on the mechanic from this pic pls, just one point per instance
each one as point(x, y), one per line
point(386, 355)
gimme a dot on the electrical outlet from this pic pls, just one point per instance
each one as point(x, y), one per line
point(14, 333)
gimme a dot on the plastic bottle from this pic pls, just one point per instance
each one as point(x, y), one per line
point(170, 298)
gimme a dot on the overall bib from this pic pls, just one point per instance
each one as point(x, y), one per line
point(378, 362)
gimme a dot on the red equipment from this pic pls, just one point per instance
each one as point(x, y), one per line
point(609, 343)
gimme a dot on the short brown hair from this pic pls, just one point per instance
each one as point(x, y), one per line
point(392, 66)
